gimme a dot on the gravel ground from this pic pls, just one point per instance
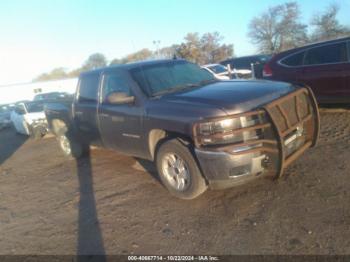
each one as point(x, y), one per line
point(114, 204)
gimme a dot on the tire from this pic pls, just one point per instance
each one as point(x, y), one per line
point(37, 132)
point(70, 145)
point(178, 170)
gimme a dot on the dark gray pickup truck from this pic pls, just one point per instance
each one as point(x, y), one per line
point(199, 131)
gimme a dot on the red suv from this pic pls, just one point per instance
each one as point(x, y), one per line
point(325, 67)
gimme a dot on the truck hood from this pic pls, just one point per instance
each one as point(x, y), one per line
point(234, 96)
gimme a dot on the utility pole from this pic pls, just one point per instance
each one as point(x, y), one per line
point(157, 43)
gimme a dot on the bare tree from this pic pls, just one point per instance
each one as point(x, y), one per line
point(278, 29)
point(326, 25)
point(204, 49)
point(212, 50)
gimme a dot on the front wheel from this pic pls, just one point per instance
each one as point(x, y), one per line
point(179, 171)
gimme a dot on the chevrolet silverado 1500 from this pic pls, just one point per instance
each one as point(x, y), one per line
point(200, 132)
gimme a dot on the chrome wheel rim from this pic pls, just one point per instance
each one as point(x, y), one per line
point(176, 171)
point(65, 145)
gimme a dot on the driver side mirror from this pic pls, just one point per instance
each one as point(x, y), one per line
point(118, 98)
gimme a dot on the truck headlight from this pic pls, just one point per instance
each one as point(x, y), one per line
point(220, 126)
point(227, 130)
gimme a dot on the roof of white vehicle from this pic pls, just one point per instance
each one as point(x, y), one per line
point(209, 65)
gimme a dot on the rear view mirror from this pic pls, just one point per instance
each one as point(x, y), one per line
point(120, 98)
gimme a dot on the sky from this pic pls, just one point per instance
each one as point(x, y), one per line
point(37, 35)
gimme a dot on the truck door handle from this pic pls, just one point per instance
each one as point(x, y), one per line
point(104, 115)
point(78, 113)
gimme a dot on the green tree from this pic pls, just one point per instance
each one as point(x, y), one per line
point(168, 52)
point(326, 25)
point(199, 49)
point(117, 61)
point(279, 28)
point(94, 61)
point(57, 73)
point(191, 48)
point(142, 54)
point(75, 72)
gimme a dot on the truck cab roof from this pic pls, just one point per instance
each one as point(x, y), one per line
point(129, 66)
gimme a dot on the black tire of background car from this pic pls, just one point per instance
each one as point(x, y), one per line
point(197, 182)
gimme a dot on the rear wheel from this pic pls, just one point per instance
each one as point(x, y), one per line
point(179, 171)
point(38, 132)
point(70, 146)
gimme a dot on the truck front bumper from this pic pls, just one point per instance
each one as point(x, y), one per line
point(292, 128)
point(223, 170)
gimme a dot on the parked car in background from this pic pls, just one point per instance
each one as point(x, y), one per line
point(219, 71)
point(5, 116)
point(242, 66)
point(51, 96)
point(198, 130)
point(28, 118)
point(324, 67)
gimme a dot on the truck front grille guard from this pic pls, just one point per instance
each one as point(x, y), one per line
point(283, 111)
point(285, 115)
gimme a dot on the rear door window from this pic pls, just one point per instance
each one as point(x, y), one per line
point(328, 54)
point(294, 60)
point(115, 82)
point(88, 88)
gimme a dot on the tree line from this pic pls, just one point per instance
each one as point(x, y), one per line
point(278, 28)
point(201, 49)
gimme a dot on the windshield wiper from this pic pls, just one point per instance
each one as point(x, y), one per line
point(186, 86)
point(175, 89)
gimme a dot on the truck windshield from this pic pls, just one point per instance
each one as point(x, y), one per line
point(168, 77)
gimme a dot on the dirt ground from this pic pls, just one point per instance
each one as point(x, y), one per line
point(113, 204)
